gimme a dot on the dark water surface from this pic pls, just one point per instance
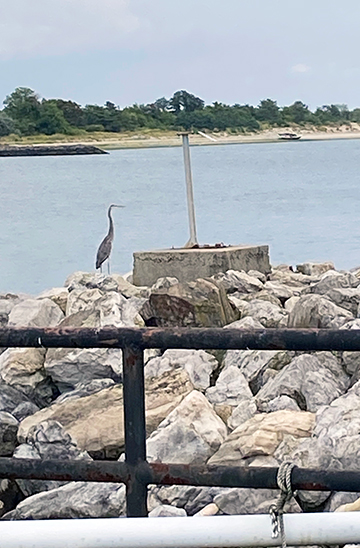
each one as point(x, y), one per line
point(301, 198)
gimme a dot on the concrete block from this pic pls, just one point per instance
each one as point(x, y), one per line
point(189, 264)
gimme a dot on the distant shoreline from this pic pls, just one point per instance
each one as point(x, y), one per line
point(171, 139)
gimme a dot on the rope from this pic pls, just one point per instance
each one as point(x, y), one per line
point(277, 509)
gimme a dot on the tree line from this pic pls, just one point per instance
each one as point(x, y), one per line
point(25, 113)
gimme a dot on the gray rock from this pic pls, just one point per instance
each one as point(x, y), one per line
point(314, 269)
point(47, 440)
point(73, 500)
point(331, 280)
point(198, 364)
point(339, 499)
point(24, 409)
point(10, 398)
point(35, 313)
point(348, 298)
point(268, 314)
point(318, 311)
point(335, 442)
point(165, 510)
point(230, 389)
point(85, 389)
point(245, 323)
point(256, 274)
point(263, 295)
point(69, 368)
point(278, 403)
point(234, 280)
point(250, 501)
point(164, 283)
point(290, 303)
point(191, 433)
point(191, 499)
point(280, 291)
point(311, 380)
point(243, 412)
point(8, 434)
point(253, 364)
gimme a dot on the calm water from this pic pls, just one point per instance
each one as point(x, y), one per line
point(300, 198)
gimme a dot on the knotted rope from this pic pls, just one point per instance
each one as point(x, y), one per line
point(286, 492)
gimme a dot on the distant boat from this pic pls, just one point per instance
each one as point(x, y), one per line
point(289, 136)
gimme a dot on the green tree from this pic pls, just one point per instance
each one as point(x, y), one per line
point(7, 125)
point(23, 106)
point(182, 100)
point(72, 112)
point(296, 113)
point(51, 119)
point(268, 111)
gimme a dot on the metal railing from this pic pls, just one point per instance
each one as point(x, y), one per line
point(136, 472)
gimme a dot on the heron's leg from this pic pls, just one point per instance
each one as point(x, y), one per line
point(101, 269)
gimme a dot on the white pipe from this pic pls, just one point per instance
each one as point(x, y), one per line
point(214, 531)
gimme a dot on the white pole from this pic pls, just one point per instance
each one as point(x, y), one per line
point(189, 190)
point(214, 531)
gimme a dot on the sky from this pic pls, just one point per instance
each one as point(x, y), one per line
point(135, 51)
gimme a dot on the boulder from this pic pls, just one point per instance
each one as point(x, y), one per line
point(244, 411)
point(241, 282)
point(318, 311)
point(263, 295)
point(348, 298)
point(279, 403)
point(312, 380)
point(164, 283)
point(261, 435)
point(10, 398)
point(250, 501)
point(245, 323)
point(256, 274)
point(254, 363)
point(8, 434)
point(23, 368)
point(314, 269)
point(268, 314)
point(230, 389)
point(7, 303)
point(35, 313)
point(96, 421)
point(166, 510)
point(67, 368)
point(290, 303)
point(85, 389)
point(24, 410)
point(191, 433)
point(292, 279)
point(115, 282)
point(335, 443)
point(281, 291)
point(192, 499)
point(59, 295)
point(199, 365)
point(202, 303)
point(47, 440)
point(74, 500)
point(333, 280)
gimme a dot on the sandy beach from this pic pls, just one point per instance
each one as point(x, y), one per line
point(149, 139)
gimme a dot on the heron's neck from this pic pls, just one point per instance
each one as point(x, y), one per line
point(111, 224)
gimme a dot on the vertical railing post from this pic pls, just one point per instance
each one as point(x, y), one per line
point(189, 190)
point(135, 429)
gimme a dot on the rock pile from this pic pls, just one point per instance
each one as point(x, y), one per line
point(240, 407)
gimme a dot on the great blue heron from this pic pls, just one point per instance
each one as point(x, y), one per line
point(106, 245)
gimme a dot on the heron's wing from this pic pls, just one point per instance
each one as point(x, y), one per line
point(103, 251)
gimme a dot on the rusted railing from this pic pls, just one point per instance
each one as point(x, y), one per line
point(136, 472)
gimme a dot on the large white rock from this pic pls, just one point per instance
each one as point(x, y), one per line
point(191, 433)
point(261, 435)
point(36, 313)
point(198, 363)
point(314, 269)
point(23, 368)
point(230, 389)
point(312, 380)
point(318, 311)
point(268, 314)
point(234, 280)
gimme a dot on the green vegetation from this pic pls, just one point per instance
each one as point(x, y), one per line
point(26, 114)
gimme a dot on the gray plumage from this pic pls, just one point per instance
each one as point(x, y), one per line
point(105, 247)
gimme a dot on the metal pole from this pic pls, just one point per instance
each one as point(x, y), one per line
point(189, 190)
point(327, 528)
point(135, 430)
